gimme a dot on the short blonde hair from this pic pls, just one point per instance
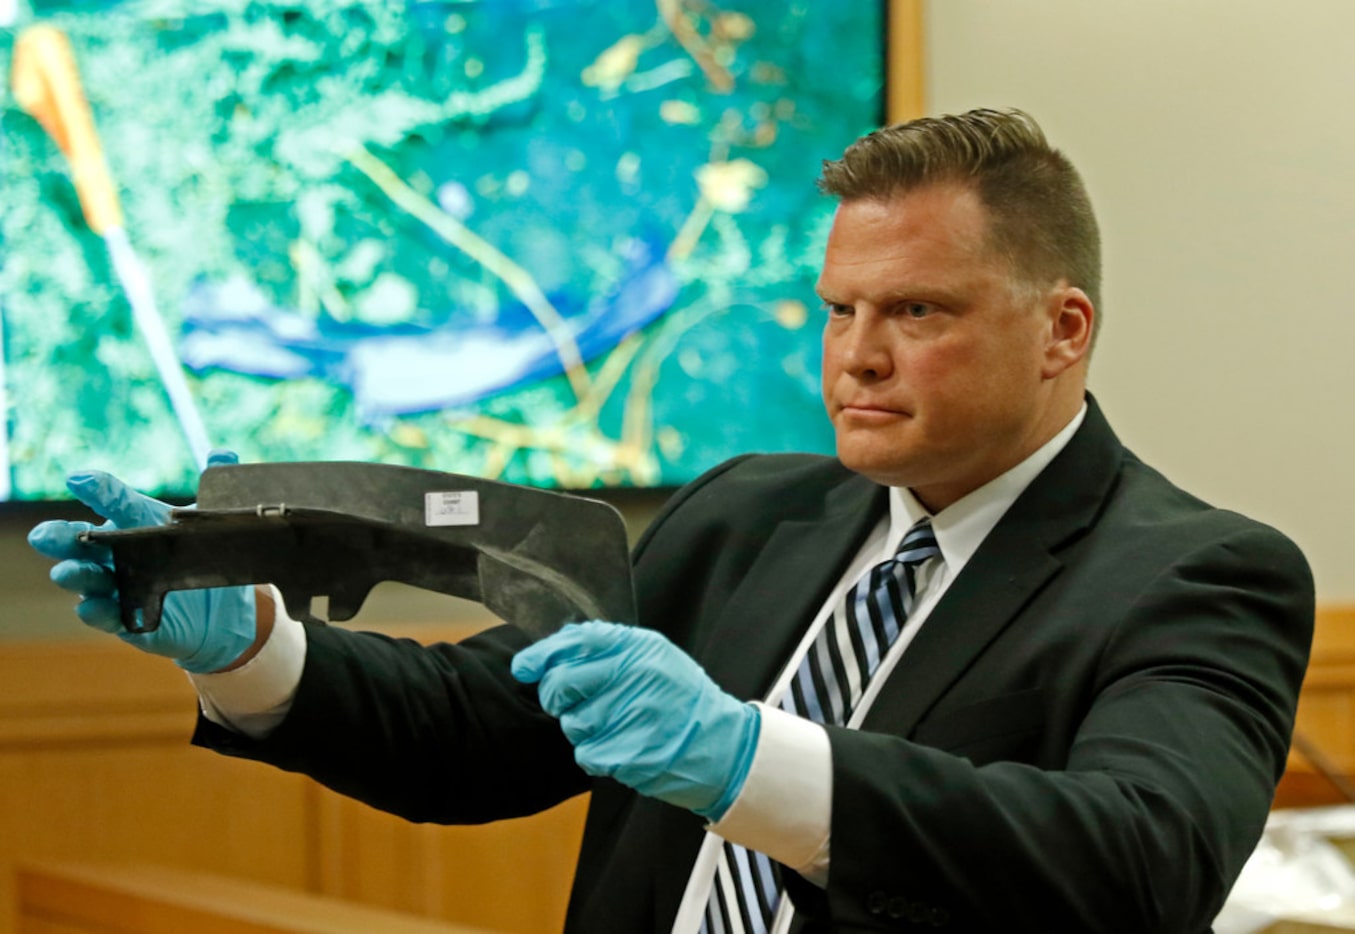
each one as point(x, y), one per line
point(1040, 217)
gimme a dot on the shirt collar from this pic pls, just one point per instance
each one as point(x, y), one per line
point(963, 525)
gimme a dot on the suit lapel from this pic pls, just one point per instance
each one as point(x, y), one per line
point(1014, 562)
point(786, 586)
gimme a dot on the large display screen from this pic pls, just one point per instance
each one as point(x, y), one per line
point(569, 243)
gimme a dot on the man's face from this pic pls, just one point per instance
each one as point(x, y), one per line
point(936, 363)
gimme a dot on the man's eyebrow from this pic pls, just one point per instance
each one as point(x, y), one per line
point(932, 294)
point(921, 291)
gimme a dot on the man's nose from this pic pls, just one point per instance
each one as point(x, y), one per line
point(867, 348)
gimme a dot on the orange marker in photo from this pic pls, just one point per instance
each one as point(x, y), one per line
point(47, 86)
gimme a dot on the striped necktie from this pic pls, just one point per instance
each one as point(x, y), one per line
point(830, 680)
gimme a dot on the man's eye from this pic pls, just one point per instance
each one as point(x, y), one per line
point(837, 311)
point(917, 310)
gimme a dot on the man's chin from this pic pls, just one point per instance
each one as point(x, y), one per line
point(884, 468)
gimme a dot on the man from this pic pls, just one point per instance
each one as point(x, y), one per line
point(1062, 703)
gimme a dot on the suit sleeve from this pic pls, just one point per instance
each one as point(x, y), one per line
point(1163, 795)
point(437, 733)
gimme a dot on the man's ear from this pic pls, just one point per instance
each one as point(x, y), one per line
point(1071, 319)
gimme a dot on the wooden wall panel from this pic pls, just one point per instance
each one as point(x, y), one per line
point(905, 95)
point(95, 764)
point(445, 872)
point(1326, 717)
point(83, 898)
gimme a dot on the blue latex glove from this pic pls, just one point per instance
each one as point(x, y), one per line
point(638, 709)
point(202, 630)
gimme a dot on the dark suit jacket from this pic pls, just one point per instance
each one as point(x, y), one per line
point(1085, 735)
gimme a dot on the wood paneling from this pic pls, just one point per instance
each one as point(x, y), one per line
point(1326, 717)
point(905, 96)
point(95, 765)
point(449, 872)
point(77, 898)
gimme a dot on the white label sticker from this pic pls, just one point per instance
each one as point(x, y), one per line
point(458, 508)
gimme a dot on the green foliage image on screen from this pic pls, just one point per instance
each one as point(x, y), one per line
point(569, 244)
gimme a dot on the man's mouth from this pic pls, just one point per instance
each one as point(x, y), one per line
point(868, 411)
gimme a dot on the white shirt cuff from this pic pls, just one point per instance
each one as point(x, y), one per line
point(785, 808)
point(254, 698)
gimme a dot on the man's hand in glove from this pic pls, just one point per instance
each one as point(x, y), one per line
point(202, 630)
point(638, 709)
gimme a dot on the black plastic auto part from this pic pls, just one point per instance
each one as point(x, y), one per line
point(535, 558)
